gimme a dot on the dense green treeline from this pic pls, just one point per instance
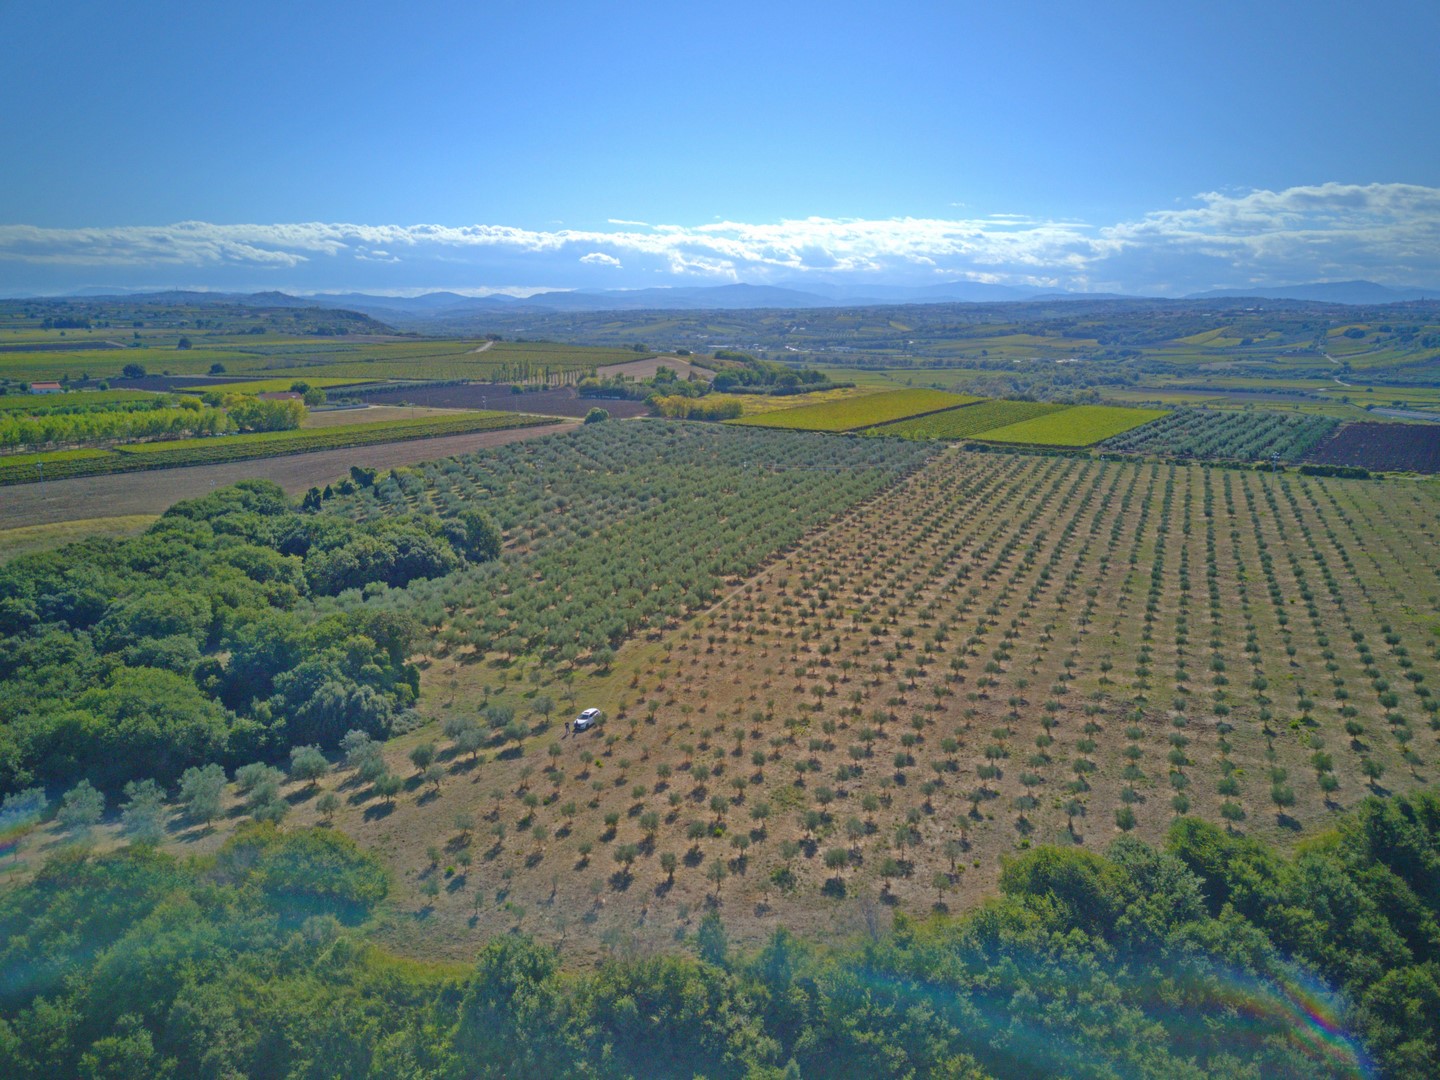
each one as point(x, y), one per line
point(56, 428)
point(196, 642)
point(150, 419)
point(1203, 959)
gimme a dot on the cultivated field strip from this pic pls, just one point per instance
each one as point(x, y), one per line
point(855, 413)
point(1007, 649)
point(1080, 425)
point(968, 421)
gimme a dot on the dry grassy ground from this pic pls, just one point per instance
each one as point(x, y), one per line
point(28, 538)
point(646, 369)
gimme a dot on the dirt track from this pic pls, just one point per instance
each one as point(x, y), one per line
point(153, 492)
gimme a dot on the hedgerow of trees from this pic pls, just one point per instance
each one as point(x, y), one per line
point(197, 642)
point(1207, 957)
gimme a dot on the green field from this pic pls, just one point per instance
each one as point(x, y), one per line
point(16, 461)
point(963, 423)
point(89, 399)
point(861, 412)
point(1081, 425)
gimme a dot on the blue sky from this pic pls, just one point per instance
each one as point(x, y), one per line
point(401, 147)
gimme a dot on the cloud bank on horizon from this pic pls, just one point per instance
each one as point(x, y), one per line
point(1388, 233)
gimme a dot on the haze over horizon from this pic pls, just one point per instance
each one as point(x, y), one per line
point(508, 149)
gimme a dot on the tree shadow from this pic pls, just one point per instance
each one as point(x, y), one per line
point(191, 832)
point(379, 810)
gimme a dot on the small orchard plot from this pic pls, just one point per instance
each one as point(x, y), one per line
point(852, 414)
point(1215, 434)
point(968, 421)
point(1081, 425)
point(1382, 448)
point(624, 526)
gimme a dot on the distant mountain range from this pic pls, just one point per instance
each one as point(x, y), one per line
point(790, 295)
point(1327, 292)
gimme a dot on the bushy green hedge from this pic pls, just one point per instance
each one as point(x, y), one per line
point(195, 641)
point(1349, 472)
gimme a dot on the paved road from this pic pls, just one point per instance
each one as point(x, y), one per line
point(154, 491)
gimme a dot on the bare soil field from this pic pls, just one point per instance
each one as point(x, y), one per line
point(153, 492)
point(563, 401)
point(1382, 447)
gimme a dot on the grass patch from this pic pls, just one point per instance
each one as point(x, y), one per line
point(853, 414)
point(1081, 425)
point(27, 538)
point(46, 457)
point(968, 421)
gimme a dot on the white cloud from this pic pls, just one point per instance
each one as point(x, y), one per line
point(1388, 232)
